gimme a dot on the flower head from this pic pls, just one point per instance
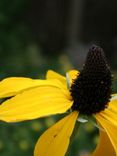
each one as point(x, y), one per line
point(91, 90)
point(87, 92)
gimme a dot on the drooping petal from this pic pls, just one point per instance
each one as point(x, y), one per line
point(104, 147)
point(72, 74)
point(113, 103)
point(110, 115)
point(13, 85)
point(34, 103)
point(55, 141)
point(54, 75)
point(108, 120)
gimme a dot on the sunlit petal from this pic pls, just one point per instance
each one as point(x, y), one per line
point(34, 103)
point(72, 74)
point(54, 75)
point(104, 147)
point(107, 120)
point(13, 85)
point(110, 115)
point(113, 103)
point(55, 141)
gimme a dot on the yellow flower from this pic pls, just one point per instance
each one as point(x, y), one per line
point(87, 92)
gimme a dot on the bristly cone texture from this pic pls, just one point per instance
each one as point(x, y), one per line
point(91, 91)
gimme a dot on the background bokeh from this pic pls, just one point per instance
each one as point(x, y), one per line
point(37, 35)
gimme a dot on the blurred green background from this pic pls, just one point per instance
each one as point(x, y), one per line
point(37, 35)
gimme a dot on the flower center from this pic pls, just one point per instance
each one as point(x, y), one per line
point(91, 90)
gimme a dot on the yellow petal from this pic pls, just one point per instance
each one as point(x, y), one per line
point(110, 115)
point(110, 127)
point(34, 103)
point(14, 85)
point(113, 103)
point(53, 75)
point(72, 74)
point(55, 141)
point(104, 148)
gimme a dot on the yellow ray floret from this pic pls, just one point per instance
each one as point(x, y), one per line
point(14, 85)
point(55, 141)
point(108, 121)
point(104, 147)
point(53, 75)
point(34, 103)
point(113, 104)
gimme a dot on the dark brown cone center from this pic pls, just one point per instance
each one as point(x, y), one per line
point(91, 90)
